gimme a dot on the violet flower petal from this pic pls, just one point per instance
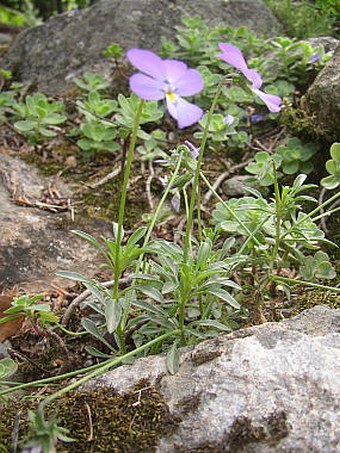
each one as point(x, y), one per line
point(228, 119)
point(271, 101)
point(147, 62)
point(176, 201)
point(253, 77)
point(174, 70)
point(193, 150)
point(233, 56)
point(184, 112)
point(146, 87)
point(190, 83)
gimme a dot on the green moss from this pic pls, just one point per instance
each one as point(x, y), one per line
point(310, 299)
point(100, 420)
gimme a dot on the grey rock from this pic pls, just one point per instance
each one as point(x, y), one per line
point(65, 46)
point(322, 100)
point(267, 389)
point(36, 243)
point(5, 39)
point(235, 186)
point(328, 42)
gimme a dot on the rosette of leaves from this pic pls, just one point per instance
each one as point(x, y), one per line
point(254, 213)
point(98, 136)
point(38, 314)
point(126, 112)
point(219, 131)
point(317, 266)
point(91, 82)
point(152, 147)
point(333, 167)
point(39, 115)
point(7, 101)
point(263, 168)
point(95, 106)
point(7, 368)
point(296, 156)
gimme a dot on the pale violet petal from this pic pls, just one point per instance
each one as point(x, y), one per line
point(233, 56)
point(193, 150)
point(271, 100)
point(184, 112)
point(174, 70)
point(254, 77)
point(176, 201)
point(147, 88)
point(190, 83)
point(228, 119)
point(147, 62)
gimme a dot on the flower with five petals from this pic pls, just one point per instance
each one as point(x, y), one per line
point(169, 80)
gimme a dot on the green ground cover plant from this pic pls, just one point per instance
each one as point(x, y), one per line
point(183, 290)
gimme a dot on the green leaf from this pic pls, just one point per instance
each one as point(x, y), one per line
point(212, 323)
point(91, 240)
point(224, 295)
point(25, 126)
point(136, 236)
point(54, 118)
point(46, 132)
point(72, 276)
point(335, 151)
point(172, 359)
point(7, 368)
point(113, 314)
point(152, 292)
point(290, 167)
point(329, 182)
point(96, 353)
point(203, 254)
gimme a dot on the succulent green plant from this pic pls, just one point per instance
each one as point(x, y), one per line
point(39, 115)
point(296, 156)
point(98, 136)
point(333, 167)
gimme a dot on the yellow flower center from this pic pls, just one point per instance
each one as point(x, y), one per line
point(171, 95)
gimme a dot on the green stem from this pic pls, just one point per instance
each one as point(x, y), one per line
point(231, 212)
point(199, 215)
point(149, 232)
point(197, 172)
point(302, 282)
point(327, 202)
point(105, 367)
point(53, 378)
point(119, 236)
point(278, 219)
point(124, 194)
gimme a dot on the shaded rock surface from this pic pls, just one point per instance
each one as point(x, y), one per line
point(36, 243)
point(70, 44)
point(269, 388)
point(322, 100)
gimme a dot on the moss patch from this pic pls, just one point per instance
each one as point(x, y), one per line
point(100, 420)
point(244, 432)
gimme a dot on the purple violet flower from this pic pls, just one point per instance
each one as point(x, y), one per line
point(315, 58)
point(233, 56)
point(228, 119)
point(193, 150)
point(169, 80)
